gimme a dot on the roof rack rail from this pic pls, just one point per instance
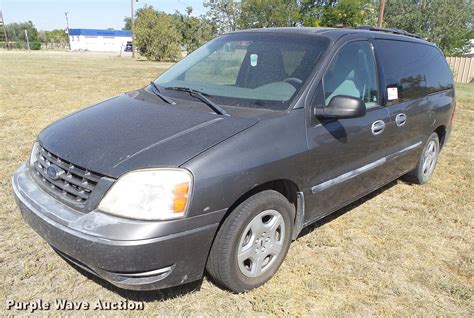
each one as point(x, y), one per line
point(388, 30)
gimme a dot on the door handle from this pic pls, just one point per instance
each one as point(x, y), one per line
point(400, 119)
point(378, 127)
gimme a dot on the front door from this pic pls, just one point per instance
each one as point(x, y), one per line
point(346, 155)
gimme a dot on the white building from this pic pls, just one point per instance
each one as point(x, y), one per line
point(98, 40)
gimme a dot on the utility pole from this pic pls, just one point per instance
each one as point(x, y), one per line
point(2, 23)
point(27, 41)
point(381, 9)
point(67, 31)
point(132, 19)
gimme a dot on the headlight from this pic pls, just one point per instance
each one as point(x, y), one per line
point(151, 194)
point(34, 154)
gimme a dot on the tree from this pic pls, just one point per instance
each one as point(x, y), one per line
point(345, 13)
point(447, 23)
point(127, 23)
point(223, 14)
point(269, 13)
point(403, 14)
point(334, 13)
point(371, 12)
point(195, 31)
point(156, 35)
point(310, 11)
point(16, 31)
point(57, 36)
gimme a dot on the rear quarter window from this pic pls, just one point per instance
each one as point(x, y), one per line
point(415, 69)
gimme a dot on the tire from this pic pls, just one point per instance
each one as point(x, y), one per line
point(260, 230)
point(427, 163)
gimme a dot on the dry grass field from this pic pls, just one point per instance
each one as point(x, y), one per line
point(405, 250)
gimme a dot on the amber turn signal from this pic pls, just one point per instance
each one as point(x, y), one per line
point(180, 197)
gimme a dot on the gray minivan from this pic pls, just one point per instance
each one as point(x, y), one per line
point(220, 163)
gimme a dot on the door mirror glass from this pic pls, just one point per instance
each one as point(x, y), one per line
point(342, 106)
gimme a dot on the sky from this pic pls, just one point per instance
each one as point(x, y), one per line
point(88, 14)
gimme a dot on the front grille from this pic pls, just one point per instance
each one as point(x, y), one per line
point(70, 182)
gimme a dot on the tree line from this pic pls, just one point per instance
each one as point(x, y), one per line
point(447, 23)
point(163, 36)
point(17, 36)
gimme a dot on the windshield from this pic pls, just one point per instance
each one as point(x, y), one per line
point(256, 70)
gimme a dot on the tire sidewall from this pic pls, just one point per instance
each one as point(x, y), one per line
point(268, 200)
point(425, 178)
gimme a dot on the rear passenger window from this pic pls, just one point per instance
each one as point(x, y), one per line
point(352, 72)
point(438, 75)
point(415, 69)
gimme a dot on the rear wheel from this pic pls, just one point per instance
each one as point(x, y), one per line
point(427, 163)
point(252, 242)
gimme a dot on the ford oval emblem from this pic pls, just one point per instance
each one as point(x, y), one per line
point(53, 172)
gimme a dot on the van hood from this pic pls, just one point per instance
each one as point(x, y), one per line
point(125, 133)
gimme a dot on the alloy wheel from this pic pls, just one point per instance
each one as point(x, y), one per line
point(429, 158)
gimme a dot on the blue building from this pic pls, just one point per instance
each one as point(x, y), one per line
point(99, 40)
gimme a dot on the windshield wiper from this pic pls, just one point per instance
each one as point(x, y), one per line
point(158, 93)
point(200, 95)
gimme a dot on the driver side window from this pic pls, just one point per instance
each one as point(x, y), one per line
point(353, 73)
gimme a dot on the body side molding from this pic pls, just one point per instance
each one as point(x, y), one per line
point(354, 173)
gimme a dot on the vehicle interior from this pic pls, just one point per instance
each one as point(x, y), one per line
point(252, 69)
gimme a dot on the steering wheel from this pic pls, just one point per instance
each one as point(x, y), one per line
point(296, 82)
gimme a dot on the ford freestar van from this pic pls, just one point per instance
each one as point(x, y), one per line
point(219, 163)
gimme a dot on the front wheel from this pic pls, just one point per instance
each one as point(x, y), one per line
point(252, 242)
point(426, 164)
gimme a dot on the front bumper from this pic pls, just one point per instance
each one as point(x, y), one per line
point(131, 254)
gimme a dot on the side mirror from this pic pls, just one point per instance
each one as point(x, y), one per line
point(342, 106)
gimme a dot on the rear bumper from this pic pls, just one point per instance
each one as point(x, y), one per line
point(130, 254)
